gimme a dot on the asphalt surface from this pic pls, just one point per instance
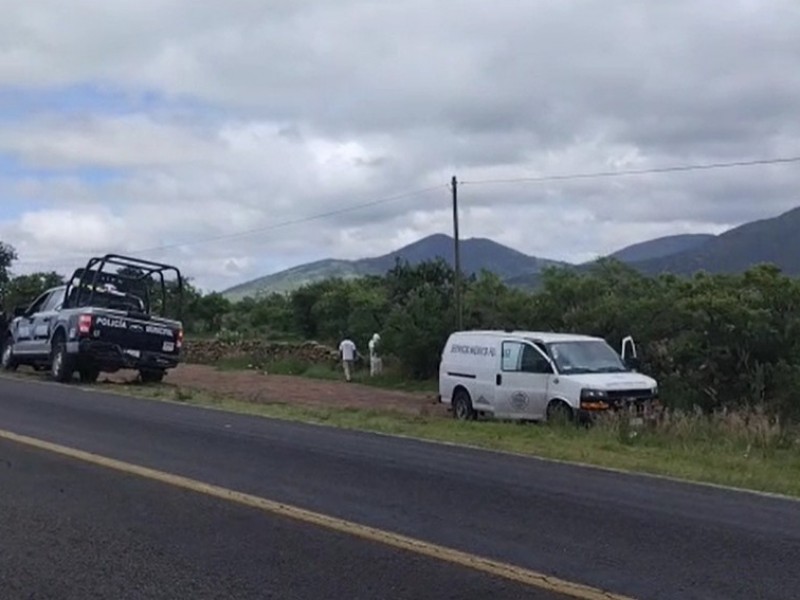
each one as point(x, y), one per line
point(639, 536)
point(76, 531)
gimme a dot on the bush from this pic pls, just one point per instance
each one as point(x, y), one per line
point(712, 341)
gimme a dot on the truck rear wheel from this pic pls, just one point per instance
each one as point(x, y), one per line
point(88, 374)
point(62, 365)
point(151, 375)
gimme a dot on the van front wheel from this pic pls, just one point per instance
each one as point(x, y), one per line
point(462, 406)
point(559, 411)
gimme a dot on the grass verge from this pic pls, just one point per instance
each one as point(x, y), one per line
point(747, 451)
point(390, 379)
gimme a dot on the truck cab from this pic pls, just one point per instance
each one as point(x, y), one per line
point(99, 321)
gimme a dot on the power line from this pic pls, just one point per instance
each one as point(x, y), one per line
point(418, 192)
point(655, 170)
point(281, 224)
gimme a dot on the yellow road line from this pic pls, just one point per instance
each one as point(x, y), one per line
point(464, 559)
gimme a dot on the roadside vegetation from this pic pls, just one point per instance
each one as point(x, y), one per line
point(743, 449)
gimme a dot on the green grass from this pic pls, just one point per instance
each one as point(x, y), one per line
point(745, 451)
point(390, 379)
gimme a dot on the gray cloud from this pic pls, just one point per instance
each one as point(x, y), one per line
point(285, 110)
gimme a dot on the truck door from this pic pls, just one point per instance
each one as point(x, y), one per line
point(43, 322)
point(24, 339)
point(522, 383)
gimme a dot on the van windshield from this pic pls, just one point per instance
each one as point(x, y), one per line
point(593, 356)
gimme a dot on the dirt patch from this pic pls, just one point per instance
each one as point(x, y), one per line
point(254, 386)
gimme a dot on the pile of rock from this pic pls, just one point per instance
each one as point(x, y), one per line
point(257, 351)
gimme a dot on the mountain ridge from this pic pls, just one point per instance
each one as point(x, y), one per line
point(476, 254)
point(768, 240)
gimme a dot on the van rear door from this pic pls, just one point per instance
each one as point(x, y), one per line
point(469, 361)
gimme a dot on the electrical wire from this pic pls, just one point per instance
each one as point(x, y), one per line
point(654, 170)
point(280, 224)
point(418, 192)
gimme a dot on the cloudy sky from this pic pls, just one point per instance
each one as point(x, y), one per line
point(240, 138)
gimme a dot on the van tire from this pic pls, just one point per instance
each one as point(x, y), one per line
point(462, 406)
point(560, 411)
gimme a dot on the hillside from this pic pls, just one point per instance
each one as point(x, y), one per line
point(773, 240)
point(476, 254)
point(633, 255)
point(661, 247)
point(290, 279)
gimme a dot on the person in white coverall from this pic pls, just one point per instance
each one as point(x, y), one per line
point(375, 361)
point(347, 350)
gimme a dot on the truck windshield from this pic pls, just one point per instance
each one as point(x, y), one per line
point(585, 357)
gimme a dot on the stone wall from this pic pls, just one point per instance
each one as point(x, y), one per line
point(258, 351)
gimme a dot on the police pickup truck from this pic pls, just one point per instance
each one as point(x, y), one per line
point(101, 321)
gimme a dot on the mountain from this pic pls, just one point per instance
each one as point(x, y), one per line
point(295, 277)
point(633, 255)
point(661, 247)
point(774, 240)
point(476, 254)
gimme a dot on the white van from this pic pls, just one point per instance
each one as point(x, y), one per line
point(526, 375)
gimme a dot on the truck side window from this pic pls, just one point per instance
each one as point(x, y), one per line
point(53, 301)
point(533, 361)
point(39, 303)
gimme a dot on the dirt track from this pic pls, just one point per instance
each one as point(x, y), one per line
point(254, 386)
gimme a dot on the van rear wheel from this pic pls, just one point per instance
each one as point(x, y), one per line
point(462, 406)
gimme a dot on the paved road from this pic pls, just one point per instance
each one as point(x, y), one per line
point(639, 536)
point(74, 531)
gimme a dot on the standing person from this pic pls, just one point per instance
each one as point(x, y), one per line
point(375, 361)
point(347, 350)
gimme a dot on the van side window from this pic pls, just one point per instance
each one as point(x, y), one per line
point(523, 358)
point(511, 354)
point(533, 361)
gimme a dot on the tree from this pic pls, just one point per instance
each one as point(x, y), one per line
point(7, 257)
point(23, 289)
point(210, 310)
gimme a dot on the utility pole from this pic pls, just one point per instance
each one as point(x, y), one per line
point(457, 257)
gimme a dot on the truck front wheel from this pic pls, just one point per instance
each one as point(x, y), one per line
point(9, 363)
